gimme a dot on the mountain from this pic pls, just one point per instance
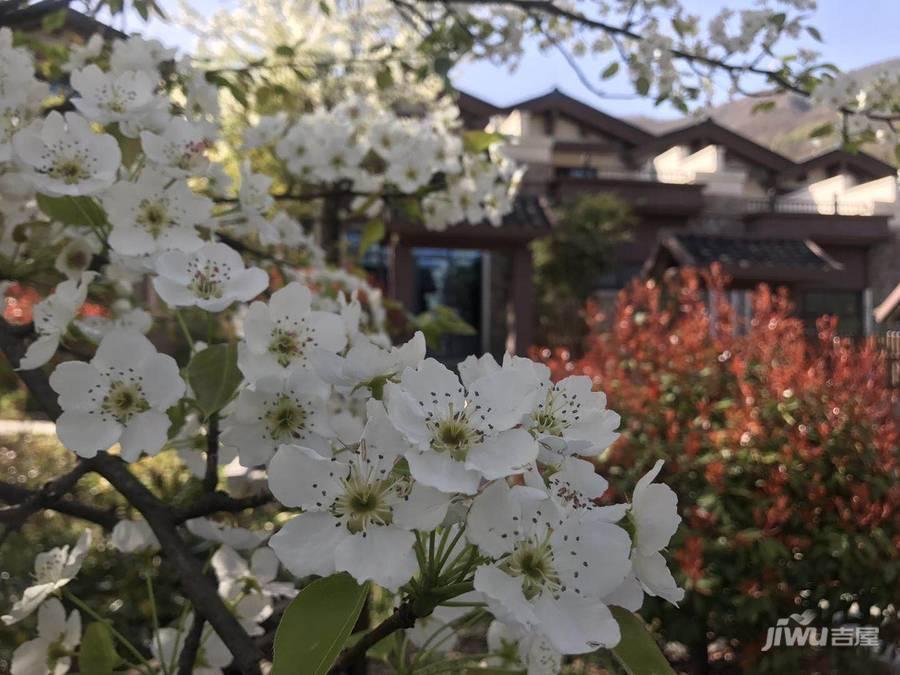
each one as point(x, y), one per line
point(786, 127)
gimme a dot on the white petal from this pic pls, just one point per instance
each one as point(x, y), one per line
point(381, 554)
point(85, 434)
point(229, 565)
point(264, 565)
point(576, 625)
point(301, 477)
point(655, 577)
point(491, 522)
point(656, 518)
point(424, 509)
point(504, 596)
point(30, 658)
point(441, 471)
point(40, 351)
point(592, 555)
point(51, 619)
point(307, 544)
point(124, 349)
point(146, 432)
point(161, 381)
point(503, 454)
point(80, 386)
point(629, 595)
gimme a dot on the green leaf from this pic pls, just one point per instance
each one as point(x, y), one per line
point(814, 33)
point(72, 210)
point(610, 70)
point(214, 376)
point(642, 85)
point(285, 50)
point(97, 655)
point(55, 20)
point(822, 130)
point(637, 651)
point(316, 625)
point(440, 321)
point(442, 65)
point(372, 233)
point(384, 78)
point(764, 106)
point(479, 141)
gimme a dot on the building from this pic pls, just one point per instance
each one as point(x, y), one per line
point(826, 228)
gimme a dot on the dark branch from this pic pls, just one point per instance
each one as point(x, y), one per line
point(219, 502)
point(403, 617)
point(211, 478)
point(191, 647)
point(25, 503)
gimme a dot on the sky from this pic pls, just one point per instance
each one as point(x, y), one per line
point(855, 33)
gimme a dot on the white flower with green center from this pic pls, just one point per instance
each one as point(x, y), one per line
point(277, 410)
point(155, 213)
point(53, 569)
point(368, 364)
point(180, 150)
point(460, 435)
point(121, 396)
point(64, 156)
point(52, 650)
point(75, 257)
point(548, 571)
point(52, 317)
point(359, 514)
point(211, 278)
point(654, 514)
point(280, 336)
point(112, 97)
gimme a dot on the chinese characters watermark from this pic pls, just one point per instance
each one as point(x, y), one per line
point(803, 635)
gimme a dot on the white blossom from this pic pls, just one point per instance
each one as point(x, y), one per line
point(281, 335)
point(212, 656)
point(460, 435)
point(180, 150)
point(212, 278)
point(121, 396)
point(112, 97)
point(53, 569)
point(52, 317)
point(131, 536)
point(516, 649)
point(548, 571)
point(239, 538)
point(153, 214)
point(359, 516)
point(275, 410)
point(52, 650)
point(367, 363)
point(64, 156)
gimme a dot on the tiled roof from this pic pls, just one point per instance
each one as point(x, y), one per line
point(746, 252)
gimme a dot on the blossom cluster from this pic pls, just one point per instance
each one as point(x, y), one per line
point(433, 484)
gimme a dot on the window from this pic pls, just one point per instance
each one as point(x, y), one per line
point(845, 305)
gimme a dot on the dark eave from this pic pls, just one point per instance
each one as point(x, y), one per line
point(24, 17)
point(712, 133)
point(857, 162)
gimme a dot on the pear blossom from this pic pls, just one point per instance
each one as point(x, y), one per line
point(275, 410)
point(282, 335)
point(52, 650)
point(137, 53)
point(516, 649)
point(81, 55)
point(254, 197)
point(52, 317)
point(358, 515)
point(458, 434)
point(239, 538)
point(655, 516)
point(16, 70)
point(212, 656)
point(180, 150)
point(211, 278)
point(548, 571)
point(282, 230)
point(120, 396)
point(64, 156)
point(112, 97)
point(131, 536)
point(267, 130)
point(53, 569)
point(367, 363)
point(153, 214)
point(251, 588)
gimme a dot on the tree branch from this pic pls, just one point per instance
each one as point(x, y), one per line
point(403, 617)
point(191, 646)
point(25, 502)
point(196, 586)
point(219, 502)
point(211, 477)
